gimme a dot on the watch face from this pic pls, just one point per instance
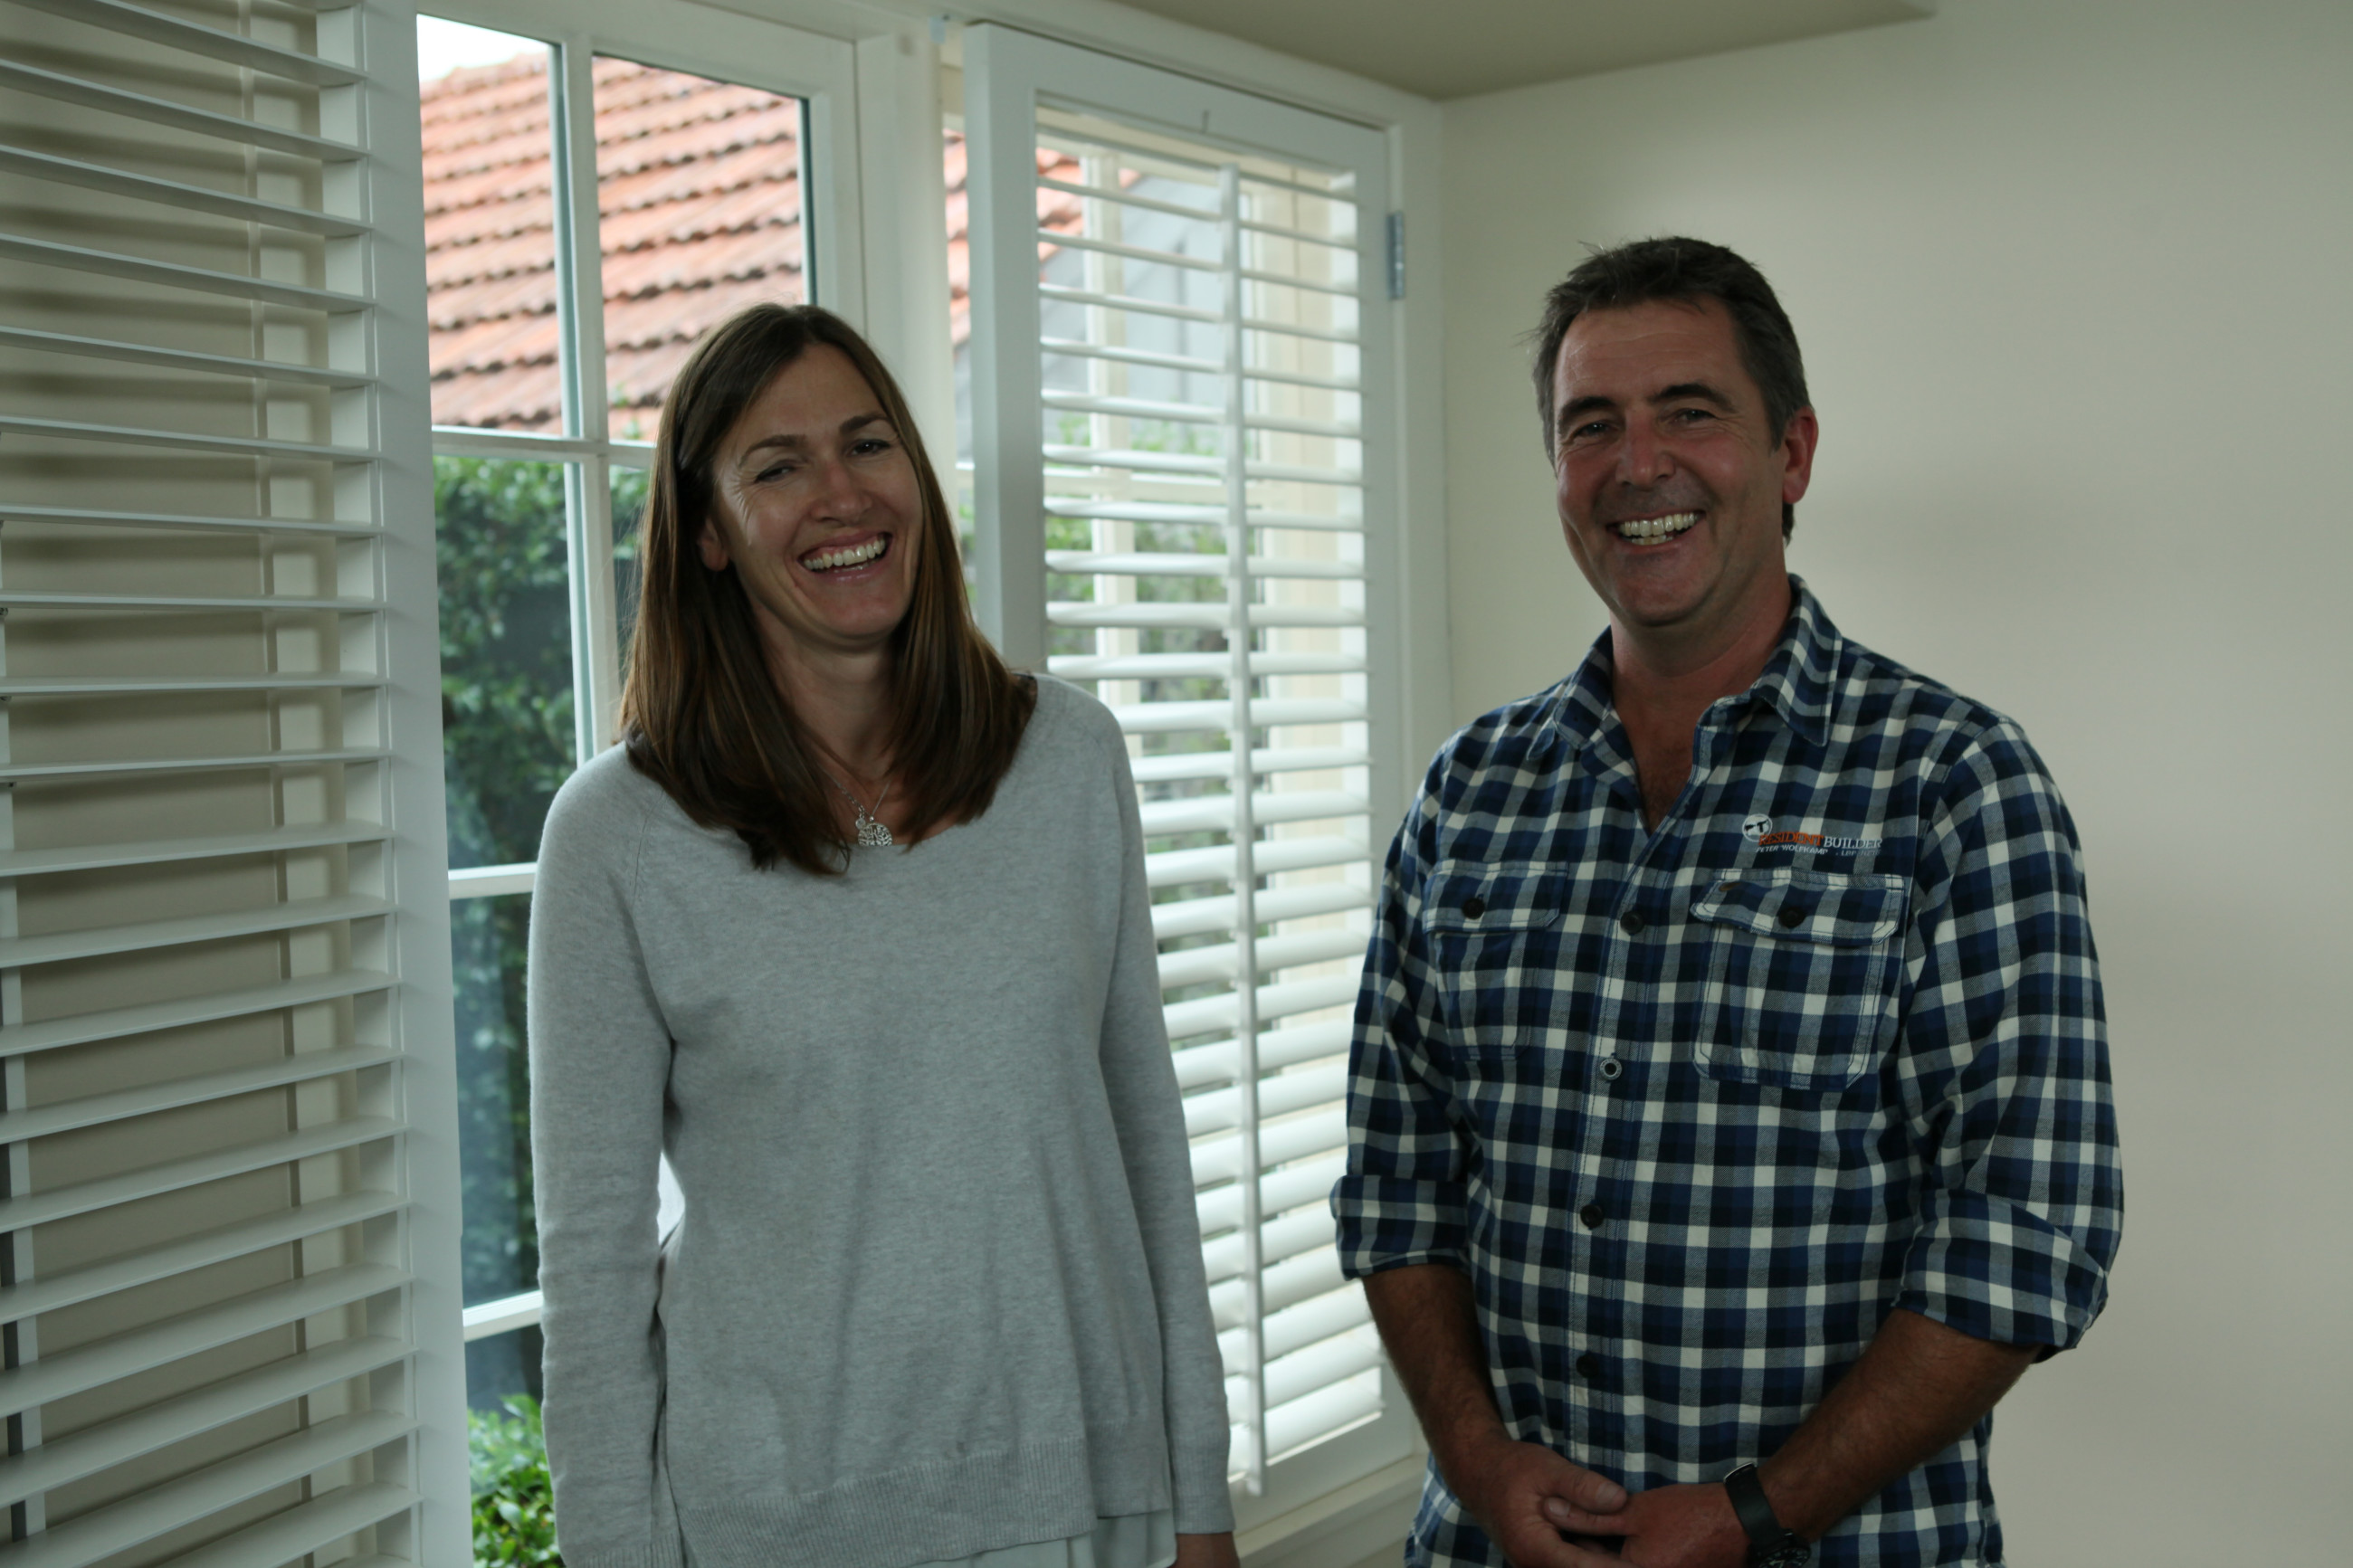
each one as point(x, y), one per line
point(1791, 1553)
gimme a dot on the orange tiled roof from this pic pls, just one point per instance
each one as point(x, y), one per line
point(699, 205)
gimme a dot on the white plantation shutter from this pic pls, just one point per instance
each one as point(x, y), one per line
point(229, 1334)
point(1173, 381)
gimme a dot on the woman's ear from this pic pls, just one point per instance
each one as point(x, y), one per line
point(712, 544)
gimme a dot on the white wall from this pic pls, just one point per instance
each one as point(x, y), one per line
point(2073, 283)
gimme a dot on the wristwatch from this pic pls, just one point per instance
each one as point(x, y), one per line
point(1771, 1544)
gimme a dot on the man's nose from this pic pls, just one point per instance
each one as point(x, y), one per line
point(1643, 459)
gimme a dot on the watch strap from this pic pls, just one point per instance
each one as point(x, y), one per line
point(1767, 1536)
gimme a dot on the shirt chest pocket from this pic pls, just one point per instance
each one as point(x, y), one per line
point(1802, 973)
point(1494, 933)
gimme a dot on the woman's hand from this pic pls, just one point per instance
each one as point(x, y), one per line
point(1207, 1551)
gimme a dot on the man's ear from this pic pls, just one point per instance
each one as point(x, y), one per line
point(712, 544)
point(1803, 433)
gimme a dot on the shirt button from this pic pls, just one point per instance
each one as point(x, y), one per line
point(1588, 1365)
point(1630, 921)
point(1611, 1067)
point(1591, 1214)
point(1793, 917)
point(1474, 907)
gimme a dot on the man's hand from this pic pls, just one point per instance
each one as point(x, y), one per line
point(1207, 1551)
point(1427, 1323)
point(1671, 1527)
point(1528, 1498)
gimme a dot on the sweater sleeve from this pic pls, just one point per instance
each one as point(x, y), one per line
point(1141, 1079)
point(599, 1068)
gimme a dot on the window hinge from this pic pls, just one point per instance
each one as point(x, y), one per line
point(1397, 255)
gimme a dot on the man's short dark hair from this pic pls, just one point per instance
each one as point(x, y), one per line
point(1685, 271)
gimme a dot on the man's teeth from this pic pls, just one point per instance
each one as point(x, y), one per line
point(855, 555)
point(1648, 530)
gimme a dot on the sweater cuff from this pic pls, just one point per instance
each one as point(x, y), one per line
point(1204, 1504)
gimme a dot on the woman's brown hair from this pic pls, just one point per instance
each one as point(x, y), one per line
point(701, 713)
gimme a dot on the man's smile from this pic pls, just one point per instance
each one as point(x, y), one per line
point(1654, 530)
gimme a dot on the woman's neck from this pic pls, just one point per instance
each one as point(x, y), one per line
point(845, 701)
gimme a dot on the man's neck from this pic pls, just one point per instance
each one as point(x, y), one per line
point(1661, 682)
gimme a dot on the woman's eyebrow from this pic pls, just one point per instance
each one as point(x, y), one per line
point(793, 440)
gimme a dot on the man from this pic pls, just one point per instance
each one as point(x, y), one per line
point(1730, 1086)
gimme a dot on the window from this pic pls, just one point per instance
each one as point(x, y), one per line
point(588, 216)
point(1179, 341)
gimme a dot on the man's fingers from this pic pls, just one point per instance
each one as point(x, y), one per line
point(1562, 1514)
point(1582, 1488)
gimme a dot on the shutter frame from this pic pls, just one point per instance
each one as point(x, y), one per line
point(1255, 1104)
point(368, 1410)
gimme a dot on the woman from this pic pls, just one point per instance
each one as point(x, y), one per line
point(854, 928)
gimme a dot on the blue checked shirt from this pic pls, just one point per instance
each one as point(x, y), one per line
point(1696, 1107)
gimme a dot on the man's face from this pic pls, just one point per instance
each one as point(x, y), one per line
point(1670, 480)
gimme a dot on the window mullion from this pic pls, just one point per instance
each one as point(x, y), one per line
point(580, 307)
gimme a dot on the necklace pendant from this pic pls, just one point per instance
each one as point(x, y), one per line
point(871, 834)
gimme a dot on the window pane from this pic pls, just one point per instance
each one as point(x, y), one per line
point(699, 197)
point(506, 653)
point(499, 1247)
point(490, 235)
point(628, 493)
point(488, 942)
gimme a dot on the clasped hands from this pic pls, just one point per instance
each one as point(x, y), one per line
point(1546, 1512)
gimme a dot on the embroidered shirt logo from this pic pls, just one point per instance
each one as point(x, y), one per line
point(1759, 830)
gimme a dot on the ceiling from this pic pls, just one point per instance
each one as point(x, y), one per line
point(1450, 49)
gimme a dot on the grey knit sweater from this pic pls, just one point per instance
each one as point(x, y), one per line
point(939, 1285)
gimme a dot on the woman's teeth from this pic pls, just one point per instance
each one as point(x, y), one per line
point(855, 555)
point(1651, 530)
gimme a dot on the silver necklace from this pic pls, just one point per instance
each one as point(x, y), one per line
point(871, 834)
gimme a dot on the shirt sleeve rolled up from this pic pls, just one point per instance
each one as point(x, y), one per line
point(1402, 1201)
point(2005, 1065)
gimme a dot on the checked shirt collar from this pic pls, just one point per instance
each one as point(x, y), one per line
point(1796, 683)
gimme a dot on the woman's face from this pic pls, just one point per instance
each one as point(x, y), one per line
point(815, 504)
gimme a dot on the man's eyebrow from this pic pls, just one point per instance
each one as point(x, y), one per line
point(1684, 389)
point(1576, 408)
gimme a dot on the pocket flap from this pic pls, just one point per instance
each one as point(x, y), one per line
point(1464, 896)
point(1840, 910)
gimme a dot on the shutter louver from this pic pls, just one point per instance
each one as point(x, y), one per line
point(1192, 343)
point(205, 1227)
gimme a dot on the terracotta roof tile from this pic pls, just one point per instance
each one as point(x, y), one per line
point(699, 199)
point(700, 215)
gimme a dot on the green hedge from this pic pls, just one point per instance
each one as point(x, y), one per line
point(514, 1501)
